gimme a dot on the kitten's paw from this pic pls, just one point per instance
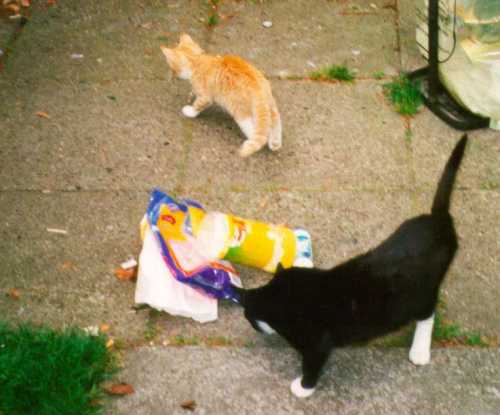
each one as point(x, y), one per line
point(420, 356)
point(189, 111)
point(248, 148)
point(274, 144)
point(299, 391)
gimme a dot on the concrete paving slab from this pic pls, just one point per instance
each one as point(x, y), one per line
point(306, 36)
point(117, 135)
point(356, 381)
point(335, 136)
point(411, 58)
point(116, 40)
point(432, 142)
point(67, 279)
point(471, 288)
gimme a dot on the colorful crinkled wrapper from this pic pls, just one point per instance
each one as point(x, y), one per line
point(195, 244)
point(172, 222)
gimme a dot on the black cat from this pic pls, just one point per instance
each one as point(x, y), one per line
point(370, 295)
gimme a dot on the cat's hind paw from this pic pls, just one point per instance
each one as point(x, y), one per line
point(189, 111)
point(420, 356)
point(274, 144)
point(249, 147)
point(299, 391)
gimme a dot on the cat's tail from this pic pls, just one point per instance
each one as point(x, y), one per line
point(275, 139)
point(442, 198)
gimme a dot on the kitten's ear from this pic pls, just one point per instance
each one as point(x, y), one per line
point(169, 53)
point(186, 40)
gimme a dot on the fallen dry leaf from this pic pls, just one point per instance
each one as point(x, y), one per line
point(42, 114)
point(110, 343)
point(67, 265)
point(190, 405)
point(104, 328)
point(15, 294)
point(51, 2)
point(13, 7)
point(120, 389)
point(126, 274)
point(263, 203)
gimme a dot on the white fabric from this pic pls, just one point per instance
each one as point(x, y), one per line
point(471, 62)
point(158, 288)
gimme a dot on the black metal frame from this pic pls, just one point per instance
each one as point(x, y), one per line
point(435, 95)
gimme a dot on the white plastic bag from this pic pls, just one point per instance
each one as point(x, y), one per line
point(158, 288)
point(470, 67)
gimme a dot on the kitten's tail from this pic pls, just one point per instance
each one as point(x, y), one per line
point(442, 198)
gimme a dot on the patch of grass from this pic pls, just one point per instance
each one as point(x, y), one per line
point(402, 338)
point(408, 135)
point(379, 74)
point(152, 330)
point(490, 185)
point(218, 341)
point(180, 340)
point(213, 19)
point(46, 372)
point(445, 334)
point(475, 339)
point(404, 95)
point(334, 72)
point(445, 331)
point(448, 334)
point(119, 344)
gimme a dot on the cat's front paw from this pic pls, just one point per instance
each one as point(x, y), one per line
point(299, 391)
point(420, 356)
point(189, 111)
point(266, 328)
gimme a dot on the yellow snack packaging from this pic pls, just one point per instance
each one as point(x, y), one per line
point(252, 243)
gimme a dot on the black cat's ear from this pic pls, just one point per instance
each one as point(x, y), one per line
point(279, 268)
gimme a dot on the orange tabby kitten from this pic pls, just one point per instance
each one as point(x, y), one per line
point(235, 85)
